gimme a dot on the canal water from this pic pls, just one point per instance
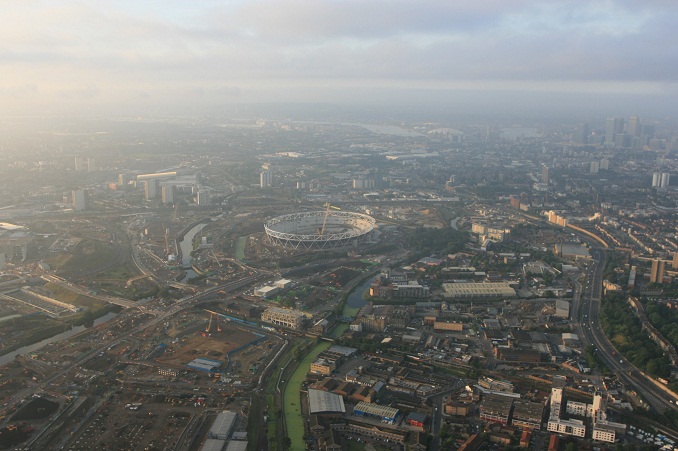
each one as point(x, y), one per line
point(355, 299)
point(62, 336)
point(186, 246)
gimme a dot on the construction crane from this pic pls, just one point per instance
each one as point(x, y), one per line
point(167, 243)
point(321, 230)
point(209, 325)
point(215, 258)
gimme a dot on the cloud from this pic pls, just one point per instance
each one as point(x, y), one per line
point(224, 50)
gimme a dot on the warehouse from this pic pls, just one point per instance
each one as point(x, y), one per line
point(490, 290)
point(384, 413)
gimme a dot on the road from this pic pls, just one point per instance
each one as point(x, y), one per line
point(438, 404)
point(591, 332)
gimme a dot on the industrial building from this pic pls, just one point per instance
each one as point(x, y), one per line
point(207, 365)
point(320, 401)
point(384, 413)
point(266, 291)
point(527, 415)
point(496, 409)
point(223, 425)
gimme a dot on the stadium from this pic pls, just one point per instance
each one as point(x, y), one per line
point(317, 230)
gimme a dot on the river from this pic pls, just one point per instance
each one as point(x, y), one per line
point(62, 336)
point(355, 299)
point(186, 246)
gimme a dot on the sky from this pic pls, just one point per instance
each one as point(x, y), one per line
point(93, 56)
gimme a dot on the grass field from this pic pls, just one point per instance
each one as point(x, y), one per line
point(293, 418)
point(240, 248)
point(350, 312)
point(119, 273)
point(87, 254)
point(63, 294)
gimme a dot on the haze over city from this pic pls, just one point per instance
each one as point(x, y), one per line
point(339, 225)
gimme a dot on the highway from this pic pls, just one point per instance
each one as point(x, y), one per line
point(591, 332)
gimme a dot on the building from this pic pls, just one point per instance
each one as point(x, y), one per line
point(456, 408)
point(633, 127)
point(490, 290)
point(416, 419)
point(206, 365)
point(594, 167)
point(168, 194)
point(442, 325)
point(266, 291)
point(322, 402)
point(283, 317)
point(665, 180)
point(580, 409)
point(559, 425)
point(567, 427)
point(203, 198)
point(282, 283)
point(496, 409)
point(545, 175)
point(80, 200)
point(613, 127)
point(517, 355)
point(265, 179)
point(223, 425)
point(123, 180)
point(527, 415)
point(15, 242)
point(384, 413)
point(657, 272)
point(323, 366)
point(562, 309)
point(581, 134)
point(151, 188)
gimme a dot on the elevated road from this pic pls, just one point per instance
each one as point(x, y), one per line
point(591, 332)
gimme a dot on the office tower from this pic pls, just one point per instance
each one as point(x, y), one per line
point(168, 194)
point(265, 179)
point(613, 127)
point(545, 174)
point(91, 164)
point(151, 188)
point(79, 164)
point(622, 140)
point(674, 263)
point(595, 166)
point(80, 200)
point(633, 126)
point(648, 130)
point(203, 198)
point(657, 272)
point(581, 134)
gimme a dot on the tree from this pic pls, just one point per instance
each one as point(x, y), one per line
point(88, 318)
